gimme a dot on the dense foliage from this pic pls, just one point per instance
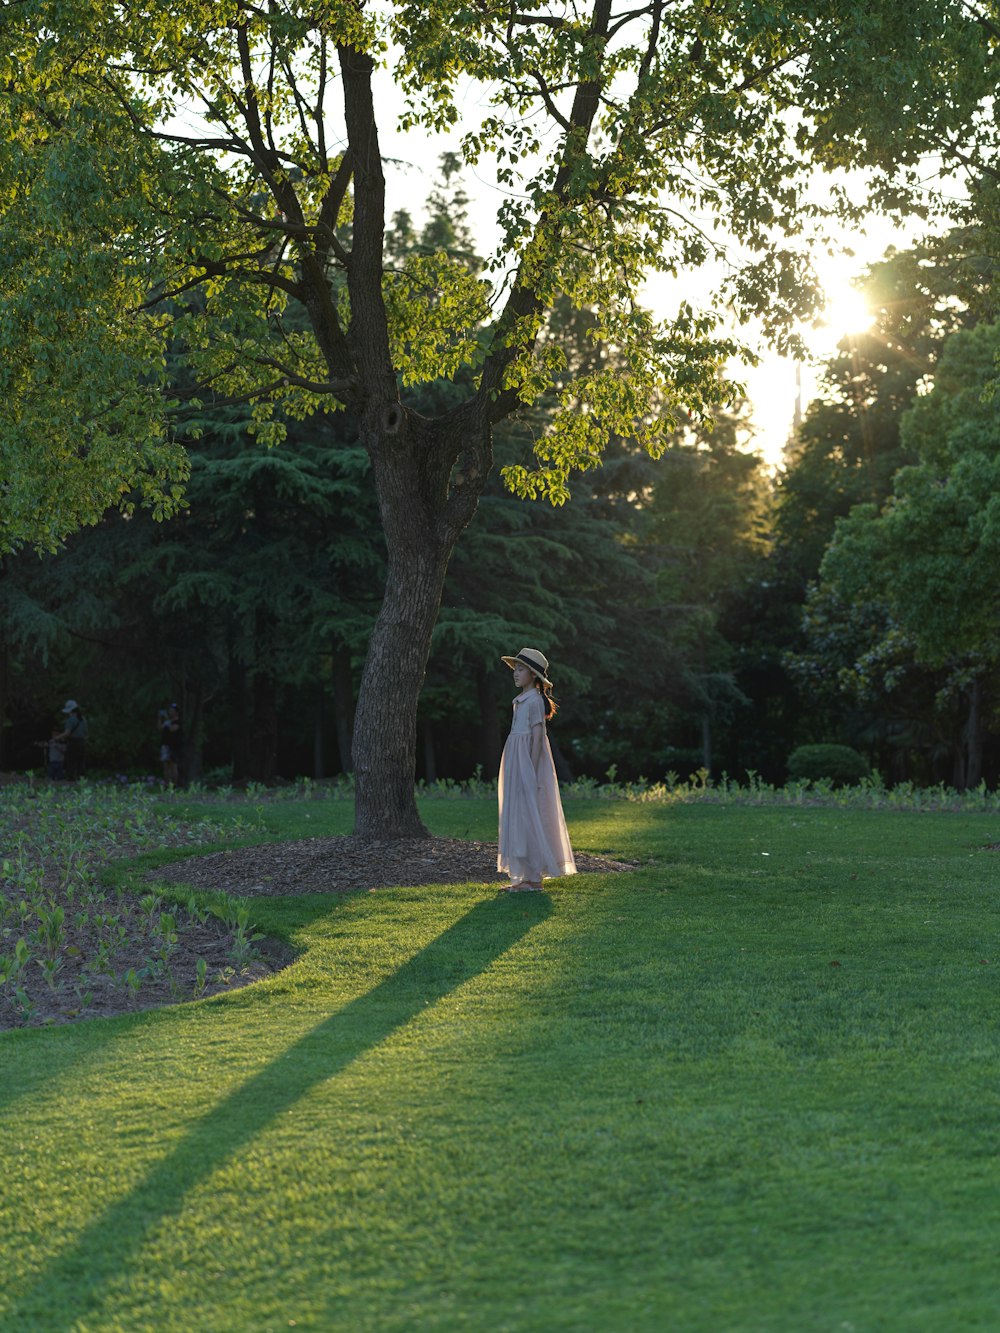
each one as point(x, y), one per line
point(200, 263)
point(193, 214)
point(701, 613)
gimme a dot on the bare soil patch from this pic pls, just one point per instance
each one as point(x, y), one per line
point(72, 948)
point(349, 865)
point(82, 993)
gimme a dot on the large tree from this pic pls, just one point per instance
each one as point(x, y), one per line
point(925, 565)
point(180, 176)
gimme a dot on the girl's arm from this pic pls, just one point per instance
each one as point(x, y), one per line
point(537, 739)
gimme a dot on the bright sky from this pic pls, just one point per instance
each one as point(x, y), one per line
point(771, 386)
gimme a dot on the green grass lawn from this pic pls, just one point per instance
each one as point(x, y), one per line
point(751, 1086)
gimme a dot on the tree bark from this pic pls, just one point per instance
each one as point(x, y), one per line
point(706, 742)
point(192, 721)
point(4, 678)
point(706, 717)
point(958, 766)
point(318, 738)
point(428, 474)
point(974, 739)
point(343, 706)
point(428, 477)
point(239, 719)
point(385, 723)
point(265, 729)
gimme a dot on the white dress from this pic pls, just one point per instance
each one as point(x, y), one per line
point(533, 840)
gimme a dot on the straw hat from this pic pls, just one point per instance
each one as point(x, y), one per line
point(535, 661)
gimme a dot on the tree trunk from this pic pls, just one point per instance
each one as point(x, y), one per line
point(192, 720)
point(428, 476)
point(706, 742)
point(4, 678)
point(343, 706)
point(239, 719)
point(564, 771)
point(958, 766)
point(385, 723)
point(265, 729)
point(318, 738)
point(706, 717)
point(974, 740)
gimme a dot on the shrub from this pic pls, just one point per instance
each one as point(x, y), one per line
point(838, 764)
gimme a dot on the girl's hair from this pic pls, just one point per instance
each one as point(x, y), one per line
point(551, 707)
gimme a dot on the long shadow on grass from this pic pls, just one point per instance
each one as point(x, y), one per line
point(70, 1287)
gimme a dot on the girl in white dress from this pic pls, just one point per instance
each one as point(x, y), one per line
point(533, 840)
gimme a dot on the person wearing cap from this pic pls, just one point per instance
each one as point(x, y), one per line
point(170, 743)
point(533, 842)
point(74, 734)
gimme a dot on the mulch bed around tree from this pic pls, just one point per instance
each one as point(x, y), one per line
point(349, 865)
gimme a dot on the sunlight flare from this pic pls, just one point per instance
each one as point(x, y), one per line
point(845, 311)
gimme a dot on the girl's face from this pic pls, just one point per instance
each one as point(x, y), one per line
point(523, 676)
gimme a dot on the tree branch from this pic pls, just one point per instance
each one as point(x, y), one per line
point(369, 328)
point(551, 107)
point(751, 80)
point(338, 388)
point(625, 19)
point(527, 20)
point(973, 164)
point(184, 411)
point(297, 231)
point(326, 223)
point(979, 17)
point(219, 269)
point(318, 117)
point(493, 399)
point(270, 95)
point(301, 106)
point(265, 157)
point(654, 37)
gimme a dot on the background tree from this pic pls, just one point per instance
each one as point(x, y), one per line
point(708, 522)
point(929, 556)
point(848, 451)
point(133, 222)
point(248, 608)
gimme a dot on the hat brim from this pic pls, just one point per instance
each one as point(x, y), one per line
point(513, 662)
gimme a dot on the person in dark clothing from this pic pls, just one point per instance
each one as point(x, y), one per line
point(74, 734)
point(171, 739)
